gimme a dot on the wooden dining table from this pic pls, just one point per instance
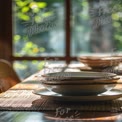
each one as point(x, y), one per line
point(20, 104)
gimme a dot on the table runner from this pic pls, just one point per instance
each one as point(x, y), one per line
point(25, 100)
point(21, 98)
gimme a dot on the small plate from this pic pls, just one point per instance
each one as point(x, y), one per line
point(82, 81)
point(77, 75)
point(107, 96)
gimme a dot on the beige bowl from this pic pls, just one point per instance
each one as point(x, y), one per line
point(100, 58)
point(102, 62)
point(83, 89)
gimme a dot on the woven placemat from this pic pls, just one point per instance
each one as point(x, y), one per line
point(25, 100)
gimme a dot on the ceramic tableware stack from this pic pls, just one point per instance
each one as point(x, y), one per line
point(79, 83)
point(101, 63)
point(79, 86)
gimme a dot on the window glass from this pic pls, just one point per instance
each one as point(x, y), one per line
point(38, 28)
point(96, 26)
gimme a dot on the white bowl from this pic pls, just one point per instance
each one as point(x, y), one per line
point(83, 89)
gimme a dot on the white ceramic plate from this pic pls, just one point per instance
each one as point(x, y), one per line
point(81, 81)
point(78, 75)
point(109, 95)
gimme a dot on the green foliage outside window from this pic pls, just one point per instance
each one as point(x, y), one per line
point(27, 15)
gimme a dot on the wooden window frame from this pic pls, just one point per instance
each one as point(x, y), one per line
point(6, 50)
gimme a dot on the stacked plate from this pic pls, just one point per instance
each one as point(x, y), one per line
point(79, 86)
point(79, 83)
point(99, 62)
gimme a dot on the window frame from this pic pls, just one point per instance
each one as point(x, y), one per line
point(6, 30)
point(7, 35)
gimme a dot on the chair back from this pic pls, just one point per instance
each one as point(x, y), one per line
point(8, 76)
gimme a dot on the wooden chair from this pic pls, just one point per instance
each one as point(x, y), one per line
point(8, 76)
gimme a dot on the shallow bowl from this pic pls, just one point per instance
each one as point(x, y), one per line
point(101, 62)
point(83, 89)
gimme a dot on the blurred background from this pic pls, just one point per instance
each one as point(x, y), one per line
point(34, 32)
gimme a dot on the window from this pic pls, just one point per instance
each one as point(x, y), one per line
point(39, 33)
point(63, 29)
point(96, 26)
